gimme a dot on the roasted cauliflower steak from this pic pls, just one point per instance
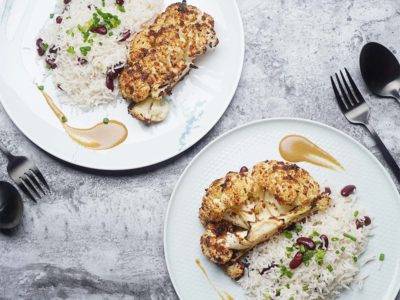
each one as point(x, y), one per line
point(244, 209)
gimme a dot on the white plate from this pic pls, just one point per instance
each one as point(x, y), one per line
point(259, 141)
point(198, 102)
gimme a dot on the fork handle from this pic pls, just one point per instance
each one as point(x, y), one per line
point(385, 152)
point(5, 151)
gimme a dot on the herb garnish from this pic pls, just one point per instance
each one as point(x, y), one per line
point(349, 236)
point(382, 257)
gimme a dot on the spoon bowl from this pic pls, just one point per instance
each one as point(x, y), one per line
point(380, 70)
point(11, 206)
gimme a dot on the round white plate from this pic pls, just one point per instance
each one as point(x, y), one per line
point(258, 141)
point(198, 101)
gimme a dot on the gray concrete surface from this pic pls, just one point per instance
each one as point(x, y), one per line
point(101, 236)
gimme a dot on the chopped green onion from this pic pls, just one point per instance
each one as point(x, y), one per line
point(110, 33)
point(64, 119)
point(330, 268)
point(305, 287)
point(103, 3)
point(70, 32)
point(267, 296)
point(45, 46)
point(287, 285)
point(40, 87)
point(71, 50)
point(334, 239)
point(356, 214)
point(120, 8)
point(337, 252)
point(319, 256)
point(90, 41)
point(289, 249)
point(302, 249)
point(298, 227)
point(355, 259)
point(382, 257)
point(342, 248)
point(51, 16)
point(288, 234)
point(85, 50)
point(106, 121)
point(349, 236)
point(314, 233)
point(291, 298)
point(100, 43)
point(69, 17)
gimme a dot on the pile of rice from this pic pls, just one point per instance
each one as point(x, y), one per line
point(84, 85)
point(340, 267)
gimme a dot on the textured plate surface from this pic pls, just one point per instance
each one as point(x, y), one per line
point(259, 141)
point(198, 102)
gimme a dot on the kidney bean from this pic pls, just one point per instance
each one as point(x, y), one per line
point(82, 61)
point(40, 47)
point(358, 224)
point(296, 261)
point(124, 36)
point(100, 30)
point(110, 82)
point(243, 170)
point(119, 2)
point(113, 74)
point(51, 63)
point(306, 242)
point(53, 49)
point(59, 20)
point(367, 221)
point(67, 1)
point(328, 190)
point(347, 190)
point(325, 241)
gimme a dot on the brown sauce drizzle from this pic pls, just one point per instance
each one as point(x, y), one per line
point(101, 136)
point(297, 148)
point(222, 296)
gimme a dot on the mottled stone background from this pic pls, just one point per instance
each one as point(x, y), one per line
point(101, 236)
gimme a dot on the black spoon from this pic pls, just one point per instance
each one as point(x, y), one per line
point(11, 206)
point(380, 70)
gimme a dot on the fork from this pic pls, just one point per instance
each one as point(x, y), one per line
point(356, 110)
point(25, 174)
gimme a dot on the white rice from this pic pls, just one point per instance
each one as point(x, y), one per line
point(313, 281)
point(84, 85)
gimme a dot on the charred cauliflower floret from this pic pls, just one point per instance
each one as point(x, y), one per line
point(242, 210)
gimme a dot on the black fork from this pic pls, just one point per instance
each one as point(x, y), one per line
point(356, 110)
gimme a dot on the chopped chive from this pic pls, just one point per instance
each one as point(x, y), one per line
point(289, 274)
point(51, 16)
point(305, 287)
point(71, 50)
point(334, 239)
point(342, 248)
point(110, 33)
point(289, 249)
point(69, 17)
point(291, 298)
point(302, 249)
point(356, 214)
point(337, 252)
point(288, 234)
point(355, 259)
point(330, 268)
point(40, 87)
point(314, 234)
point(319, 256)
point(382, 257)
point(106, 121)
point(64, 119)
point(287, 285)
point(349, 236)
point(120, 8)
point(85, 50)
point(103, 3)
point(100, 43)
point(45, 46)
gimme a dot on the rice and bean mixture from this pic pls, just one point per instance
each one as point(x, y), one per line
point(85, 44)
point(313, 260)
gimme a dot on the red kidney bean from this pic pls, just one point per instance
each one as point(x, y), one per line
point(40, 47)
point(325, 241)
point(367, 221)
point(124, 36)
point(67, 1)
point(110, 82)
point(100, 30)
point(53, 49)
point(347, 190)
point(296, 261)
point(359, 224)
point(119, 2)
point(82, 61)
point(243, 170)
point(306, 242)
point(328, 190)
point(51, 63)
point(113, 74)
point(59, 20)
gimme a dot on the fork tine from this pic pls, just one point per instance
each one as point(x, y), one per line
point(34, 180)
point(22, 186)
point(346, 99)
point(349, 92)
point(40, 177)
point(27, 182)
point(356, 90)
point(338, 97)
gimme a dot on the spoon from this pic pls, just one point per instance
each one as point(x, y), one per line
point(11, 206)
point(380, 70)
